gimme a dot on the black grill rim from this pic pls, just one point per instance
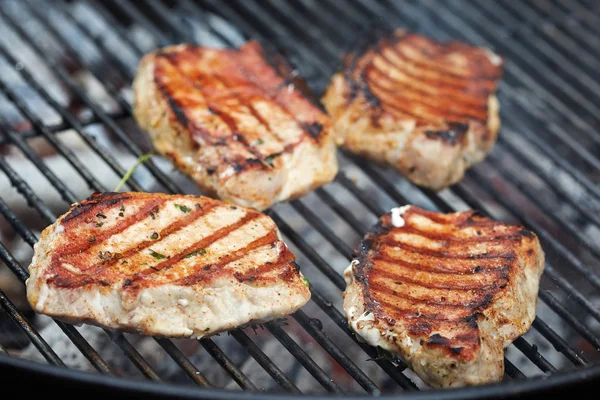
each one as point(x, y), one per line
point(46, 375)
point(564, 380)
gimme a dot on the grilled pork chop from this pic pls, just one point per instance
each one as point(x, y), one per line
point(426, 108)
point(445, 292)
point(233, 121)
point(166, 265)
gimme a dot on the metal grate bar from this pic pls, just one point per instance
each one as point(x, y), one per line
point(264, 361)
point(578, 36)
point(532, 352)
point(57, 144)
point(181, 360)
point(310, 252)
point(547, 239)
point(25, 191)
point(119, 339)
point(99, 41)
point(527, 349)
point(78, 340)
point(76, 55)
point(543, 53)
point(303, 358)
point(66, 194)
point(512, 371)
point(462, 29)
point(102, 116)
point(321, 227)
point(548, 179)
point(140, 362)
point(100, 7)
point(363, 197)
point(29, 330)
point(224, 361)
point(517, 51)
point(69, 120)
point(509, 79)
point(529, 191)
point(315, 328)
point(560, 37)
point(337, 207)
point(394, 372)
point(59, 127)
point(135, 15)
point(435, 199)
point(135, 357)
point(559, 343)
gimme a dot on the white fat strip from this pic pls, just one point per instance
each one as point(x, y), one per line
point(348, 275)
point(494, 58)
point(397, 213)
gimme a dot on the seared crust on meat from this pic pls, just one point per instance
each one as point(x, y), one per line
point(446, 292)
point(167, 265)
point(235, 121)
point(424, 107)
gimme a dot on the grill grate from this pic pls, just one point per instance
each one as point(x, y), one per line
point(543, 171)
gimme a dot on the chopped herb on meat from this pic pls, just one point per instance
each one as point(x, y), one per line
point(99, 224)
point(100, 215)
point(195, 253)
point(154, 236)
point(306, 282)
point(183, 208)
point(269, 159)
point(156, 255)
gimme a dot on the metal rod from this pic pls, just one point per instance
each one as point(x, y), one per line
point(183, 362)
point(264, 361)
point(303, 358)
point(315, 328)
point(102, 116)
point(35, 338)
point(238, 376)
point(78, 340)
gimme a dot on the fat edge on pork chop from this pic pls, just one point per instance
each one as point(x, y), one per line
point(237, 121)
point(424, 107)
point(445, 292)
point(165, 265)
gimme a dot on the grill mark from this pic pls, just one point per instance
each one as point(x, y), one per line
point(96, 202)
point(376, 76)
point(431, 285)
point(219, 234)
point(453, 87)
point(230, 122)
point(238, 254)
point(170, 229)
point(381, 256)
point(411, 313)
point(444, 255)
point(273, 97)
point(447, 237)
point(257, 273)
point(427, 112)
point(475, 302)
point(239, 137)
point(435, 64)
point(83, 244)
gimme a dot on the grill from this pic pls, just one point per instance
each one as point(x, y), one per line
point(67, 131)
